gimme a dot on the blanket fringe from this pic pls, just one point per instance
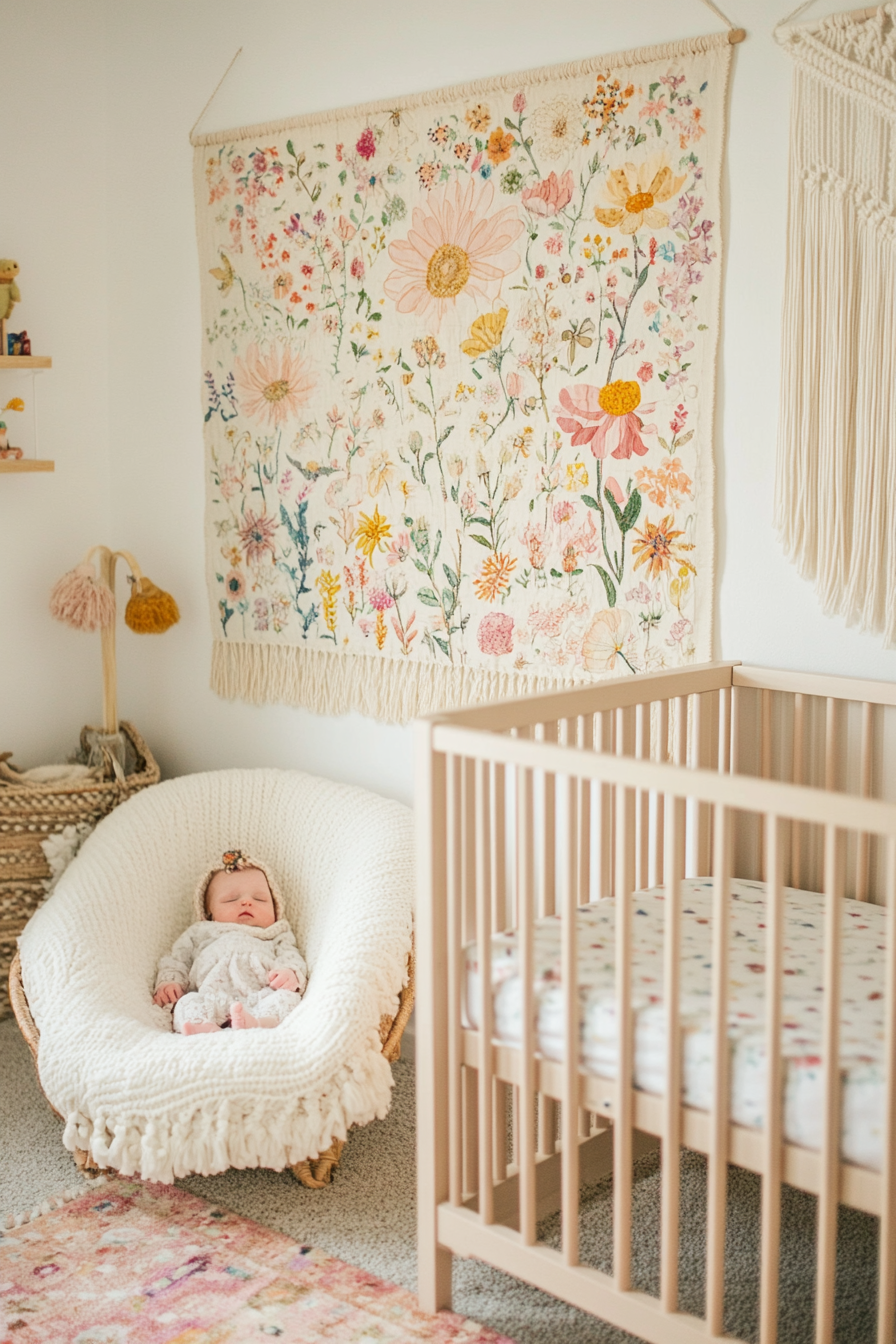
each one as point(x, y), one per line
point(389, 690)
point(239, 1132)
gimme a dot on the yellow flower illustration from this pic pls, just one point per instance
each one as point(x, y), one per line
point(635, 192)
point(328, 586)
point(576, 476)
point(371, 533)
point(485, 333)
point(494, 577)
point(478, 117)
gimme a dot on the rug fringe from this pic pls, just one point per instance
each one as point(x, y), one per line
point(386, 689)
point(13, 1220)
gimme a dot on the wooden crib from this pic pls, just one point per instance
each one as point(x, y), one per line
point(534, 807)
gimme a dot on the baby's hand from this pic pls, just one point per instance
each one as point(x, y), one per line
point(283, 980)
point(167, 994)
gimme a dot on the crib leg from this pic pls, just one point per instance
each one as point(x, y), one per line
point(318, 1172)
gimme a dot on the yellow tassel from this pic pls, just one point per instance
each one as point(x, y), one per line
point(150, 610)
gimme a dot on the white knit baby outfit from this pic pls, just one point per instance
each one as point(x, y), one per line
point(223, 964)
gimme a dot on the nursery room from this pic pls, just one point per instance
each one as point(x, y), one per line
point(446, 502)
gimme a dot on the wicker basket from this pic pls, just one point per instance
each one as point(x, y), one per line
point(31, 812)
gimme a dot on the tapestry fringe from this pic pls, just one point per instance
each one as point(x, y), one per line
point(835, 495)
point(385, 689)
point(565, 70)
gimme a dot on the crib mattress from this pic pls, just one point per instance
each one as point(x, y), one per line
point(861, 1019)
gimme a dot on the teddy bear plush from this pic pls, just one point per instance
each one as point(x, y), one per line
point(9, 290)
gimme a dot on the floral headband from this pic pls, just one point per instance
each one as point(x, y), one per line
point(233, 860)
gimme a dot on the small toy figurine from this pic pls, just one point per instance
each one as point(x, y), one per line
point(18, 343)
point(9, 290)
point(6, 448)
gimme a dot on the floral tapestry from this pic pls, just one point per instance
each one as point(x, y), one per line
point(459, 358)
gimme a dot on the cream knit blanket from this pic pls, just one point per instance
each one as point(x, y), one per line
point(144, 1100)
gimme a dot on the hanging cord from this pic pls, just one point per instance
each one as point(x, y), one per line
point(224, 76)
point(734, 34)
point(857, 15)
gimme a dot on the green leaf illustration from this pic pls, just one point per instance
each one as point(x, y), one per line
point(609, 585)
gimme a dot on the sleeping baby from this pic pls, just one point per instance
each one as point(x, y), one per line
point(239, 962)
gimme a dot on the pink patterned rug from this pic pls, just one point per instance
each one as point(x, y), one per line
point(135, 1263)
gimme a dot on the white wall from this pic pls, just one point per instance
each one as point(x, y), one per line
point(120, 189)
point(53, 221)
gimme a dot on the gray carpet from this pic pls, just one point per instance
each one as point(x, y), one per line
point(367, 1218)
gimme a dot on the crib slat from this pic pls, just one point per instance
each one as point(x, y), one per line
point(671, 1178)
point(569, 980)
point(498, 859)
point(469, 851)
point(830, 745)
point(830, 1051)
point(500, 919)
point(796, 827)
point(470, 1078)
point(724, 759)
point(659, 824)
point(736, 712)
point(681, 758)
point(549, 733)
point(525, 793)
point(886, 1308)
point(863, 839)
point(605, 799)
point(717, 1176)
point(773, 1128)
point(584, 796)
point(642, 751)
point(624, 1109)
point(486, 1029)
point(765, 768)
point(701, 758)
point(454, 859)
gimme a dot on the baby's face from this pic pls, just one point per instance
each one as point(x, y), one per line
point(243, 897)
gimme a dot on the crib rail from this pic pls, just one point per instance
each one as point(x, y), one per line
point(534, 807)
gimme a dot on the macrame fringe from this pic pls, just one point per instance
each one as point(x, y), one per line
point(476, 88)
point(835, 496)
point(13, 1220)
point(385, 689)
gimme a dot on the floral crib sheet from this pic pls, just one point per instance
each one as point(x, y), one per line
point(861, 1015)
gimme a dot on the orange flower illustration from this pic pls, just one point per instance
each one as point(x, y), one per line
point(658, 547)
point(455, 248)
point(494, 577)
point(500, 145)
point(273, 386)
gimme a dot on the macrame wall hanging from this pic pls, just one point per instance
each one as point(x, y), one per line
point(836, 470)
point(459, 367)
